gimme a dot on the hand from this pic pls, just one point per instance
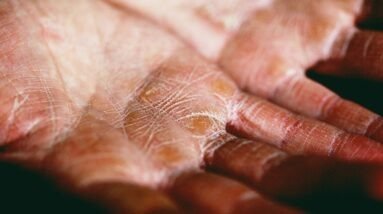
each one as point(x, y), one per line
point(105, 101)
point(266, 47)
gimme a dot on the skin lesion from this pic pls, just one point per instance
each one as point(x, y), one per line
point(45, 71)
point(134, 105)
point(199, 125)
point(174, 111)
point(222, 87)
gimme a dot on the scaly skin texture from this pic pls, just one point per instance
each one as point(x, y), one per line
point(266, 46)
point(106, 101)
point(101, 98)
point(64, 86)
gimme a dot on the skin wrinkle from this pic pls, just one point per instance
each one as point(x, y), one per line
point(212, 143)
point(48, 42)
point(172, 97)
point(298, 135)
point(306, 140)
point(50, 102)
point(289, 81)
point(329, 103)
point(47, 90)
point(133, 92)
point(284, 102)
point(55, 63)
point(290, 131)
point(159, 123)
point(171, 101)
point(164, 111)
point(365, 124)
point(327, 32)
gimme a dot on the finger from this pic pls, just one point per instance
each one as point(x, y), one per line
point(276, 173)
point(128, 198)
point(363, 57)
point(311, 99)
point(248, 160)
point(260, 120)
point(372, 11)
point(268, 71)
point(209, 193)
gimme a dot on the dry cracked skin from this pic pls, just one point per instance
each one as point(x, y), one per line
point(127, 102)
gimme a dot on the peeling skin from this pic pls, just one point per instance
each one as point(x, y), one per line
point(139, 122)
point(199, 124)
point(298, 135)
point(95, 94)
point(253, 42)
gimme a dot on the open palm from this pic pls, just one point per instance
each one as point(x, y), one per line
point(103, 99)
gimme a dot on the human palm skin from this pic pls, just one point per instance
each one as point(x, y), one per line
point(266, 46)
point(110, 103)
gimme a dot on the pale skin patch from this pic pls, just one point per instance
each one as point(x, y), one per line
point(150, 94)
point(222, 86)
point(153, 121)
point(199, 125)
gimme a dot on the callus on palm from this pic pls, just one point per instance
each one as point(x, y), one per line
point(102, 97)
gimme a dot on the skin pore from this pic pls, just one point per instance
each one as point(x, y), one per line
point(101, 98)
